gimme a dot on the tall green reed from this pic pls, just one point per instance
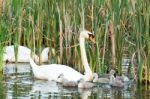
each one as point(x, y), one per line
point(147, 41)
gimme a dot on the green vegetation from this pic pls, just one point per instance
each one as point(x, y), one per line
point(117, 24)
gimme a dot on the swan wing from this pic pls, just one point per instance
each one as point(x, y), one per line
point(23, 53)
point(54, 70)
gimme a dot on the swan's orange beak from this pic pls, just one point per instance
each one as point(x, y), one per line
point(92, 38)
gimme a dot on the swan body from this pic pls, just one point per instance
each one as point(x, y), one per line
point(125, 78)
point(85, 85)
point(105, 79)
point(115, 82)
point(65, 81)
point(112, 72)
point(52, 71)
point(122, 78)
point(60, 78)
point(23, 54)
point(100, 80)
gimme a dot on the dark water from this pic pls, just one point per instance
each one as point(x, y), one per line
point(18, 83)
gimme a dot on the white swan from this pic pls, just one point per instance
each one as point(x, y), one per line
point(23, 54)
point(52, 71)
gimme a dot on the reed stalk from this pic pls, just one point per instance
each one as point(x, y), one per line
point(147, 41)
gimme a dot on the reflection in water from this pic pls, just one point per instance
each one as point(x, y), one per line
point(84, 93)
point(2, 90)
point(18, 82)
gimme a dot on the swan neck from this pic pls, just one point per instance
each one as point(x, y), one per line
point(44, 55)
point(32, 63)
point(88, 72)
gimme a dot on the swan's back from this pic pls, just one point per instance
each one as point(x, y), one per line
point(23, 53)
point(24, 50)
point(9, 53)
point(54, 70)
point(85, 85)
point(115, 82)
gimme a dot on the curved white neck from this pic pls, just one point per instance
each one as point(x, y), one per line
point(44, 55)
point(88, 72)
point(44, 58)
point(32, 63)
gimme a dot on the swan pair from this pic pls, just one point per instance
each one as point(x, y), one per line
point(23, 54)
point(52, 71)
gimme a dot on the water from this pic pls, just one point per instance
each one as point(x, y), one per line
point(18, 83)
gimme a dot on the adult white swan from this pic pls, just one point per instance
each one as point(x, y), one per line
point(23, 54)
point(52, 71)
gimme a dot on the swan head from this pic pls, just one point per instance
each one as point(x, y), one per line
point(61, 78)
point(95, 75)
point(87, 35)
point(112, 72)
point(80, 80)
point(61, 75)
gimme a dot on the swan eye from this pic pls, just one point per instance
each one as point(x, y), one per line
point(92, 38)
